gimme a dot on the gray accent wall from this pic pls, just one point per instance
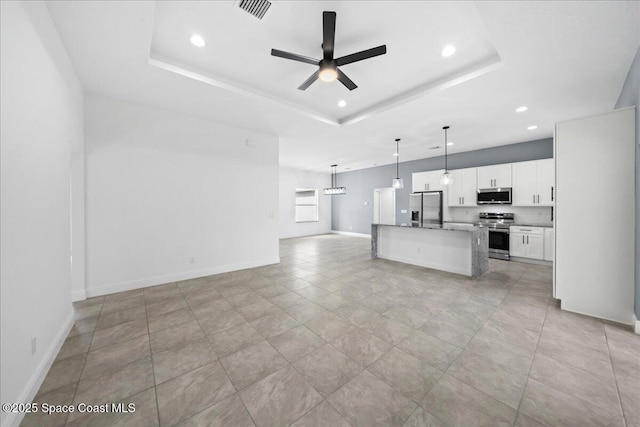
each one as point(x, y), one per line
point(630, 96)
point(353, 212)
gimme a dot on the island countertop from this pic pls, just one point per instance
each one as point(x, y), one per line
point(453, 247)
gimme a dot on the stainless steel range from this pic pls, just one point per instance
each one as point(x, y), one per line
point(498, 225)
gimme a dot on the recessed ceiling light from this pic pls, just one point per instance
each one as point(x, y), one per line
point(521, 109)
point(449, 143)
point(448, 50)
point(197, 40)
point(532, 127)
point(342, 103)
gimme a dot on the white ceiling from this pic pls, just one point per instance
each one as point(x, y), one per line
point(561, 59)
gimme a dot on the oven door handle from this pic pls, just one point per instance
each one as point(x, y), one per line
point(499, 230)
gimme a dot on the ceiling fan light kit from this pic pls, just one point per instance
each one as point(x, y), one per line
point(328, 70)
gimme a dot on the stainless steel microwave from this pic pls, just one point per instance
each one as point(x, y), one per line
point(494, 196)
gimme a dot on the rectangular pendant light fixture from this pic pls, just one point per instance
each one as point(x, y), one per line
point(334, 190)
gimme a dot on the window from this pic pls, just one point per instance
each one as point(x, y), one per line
point(306, 205)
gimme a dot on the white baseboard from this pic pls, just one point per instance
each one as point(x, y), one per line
point(636, 324)
point(78, 295)
point(34, 383)
point(348, 233)
point(169, 278)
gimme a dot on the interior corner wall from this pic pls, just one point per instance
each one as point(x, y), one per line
point(630, 96)
point(172, 197)
point(290, 179)
point(353, 212)
point(42, 119)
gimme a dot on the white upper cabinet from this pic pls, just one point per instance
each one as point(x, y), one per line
point(496, 176)
point(463, 190)
point(426, 181)
point(533, 183)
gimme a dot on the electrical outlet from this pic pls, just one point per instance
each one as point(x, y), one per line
point(403, 211)
point(34, 346)
point(350, 228)
point(193, 260)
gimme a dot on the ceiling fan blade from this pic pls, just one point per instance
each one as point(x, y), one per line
point(328, 34)
point(359, 56)
point(294, 56)
point(310, 80)
point(346, 80)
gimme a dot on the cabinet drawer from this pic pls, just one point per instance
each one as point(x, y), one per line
point(526, 230)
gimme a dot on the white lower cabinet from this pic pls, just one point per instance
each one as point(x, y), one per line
point(549, 243)
point(526, 242)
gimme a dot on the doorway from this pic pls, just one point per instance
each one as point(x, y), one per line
point(384, 206)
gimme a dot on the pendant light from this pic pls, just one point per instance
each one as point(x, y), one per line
point(334, 190)
point(397, 182)
point(446, 178)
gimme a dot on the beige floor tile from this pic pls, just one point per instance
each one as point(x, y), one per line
point(287, 300)
point(356, 314)
point(305, 311)
point(73, 346)
point(296, 343)
point(407, 316)
point(410, 376)
point(280, 398)
point(143, 414)
point(489, 378)
point(120, 317)
point(234, 339)
point(83, 326)
point(166, 306)
point(511, 357)
point(256, 310)
point(188, 394)
point(228, 412)
point(113, 357)
point(368, 401)
point(434, 351)
point(176, 336)
point(252, 364)
point(329, 326)
point(60, 396)
point(327, 369)
point(321, 415)
point(556, 408)
point(274, 324)
point(118, 333)
point(176, 361)
point(203, 311)
point(361, 346)
point(458, 404)
point(63, 372)
point(115, 386)
point(219, 321)
point(421, 418)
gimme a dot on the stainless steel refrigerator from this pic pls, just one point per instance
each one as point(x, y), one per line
point(426, 208)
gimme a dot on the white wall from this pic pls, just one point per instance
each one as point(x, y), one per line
point(290, 179)
point(171, 197)
point(41, 115)
point(594, 266)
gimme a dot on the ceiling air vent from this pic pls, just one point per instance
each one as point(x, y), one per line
point(255, 7)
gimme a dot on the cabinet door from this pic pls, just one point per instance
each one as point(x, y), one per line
point(433, 180)
point(549, 244)
point(485, 177)
point(418, 182)
point(502, 175)
point(546, 182)
point(454, 194)
point(517, 245)
point(535, 245)
point(524, 183)
point(468, 186)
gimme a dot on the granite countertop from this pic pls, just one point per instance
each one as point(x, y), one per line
point(520, 224)
point(446, 226)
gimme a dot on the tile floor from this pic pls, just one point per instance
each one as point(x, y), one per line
point(330, 337)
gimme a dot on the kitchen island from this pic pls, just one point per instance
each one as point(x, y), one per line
point(455, 248)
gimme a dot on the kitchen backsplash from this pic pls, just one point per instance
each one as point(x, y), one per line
point(523, 215)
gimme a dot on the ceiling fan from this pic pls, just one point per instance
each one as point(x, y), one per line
point(328, 70)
